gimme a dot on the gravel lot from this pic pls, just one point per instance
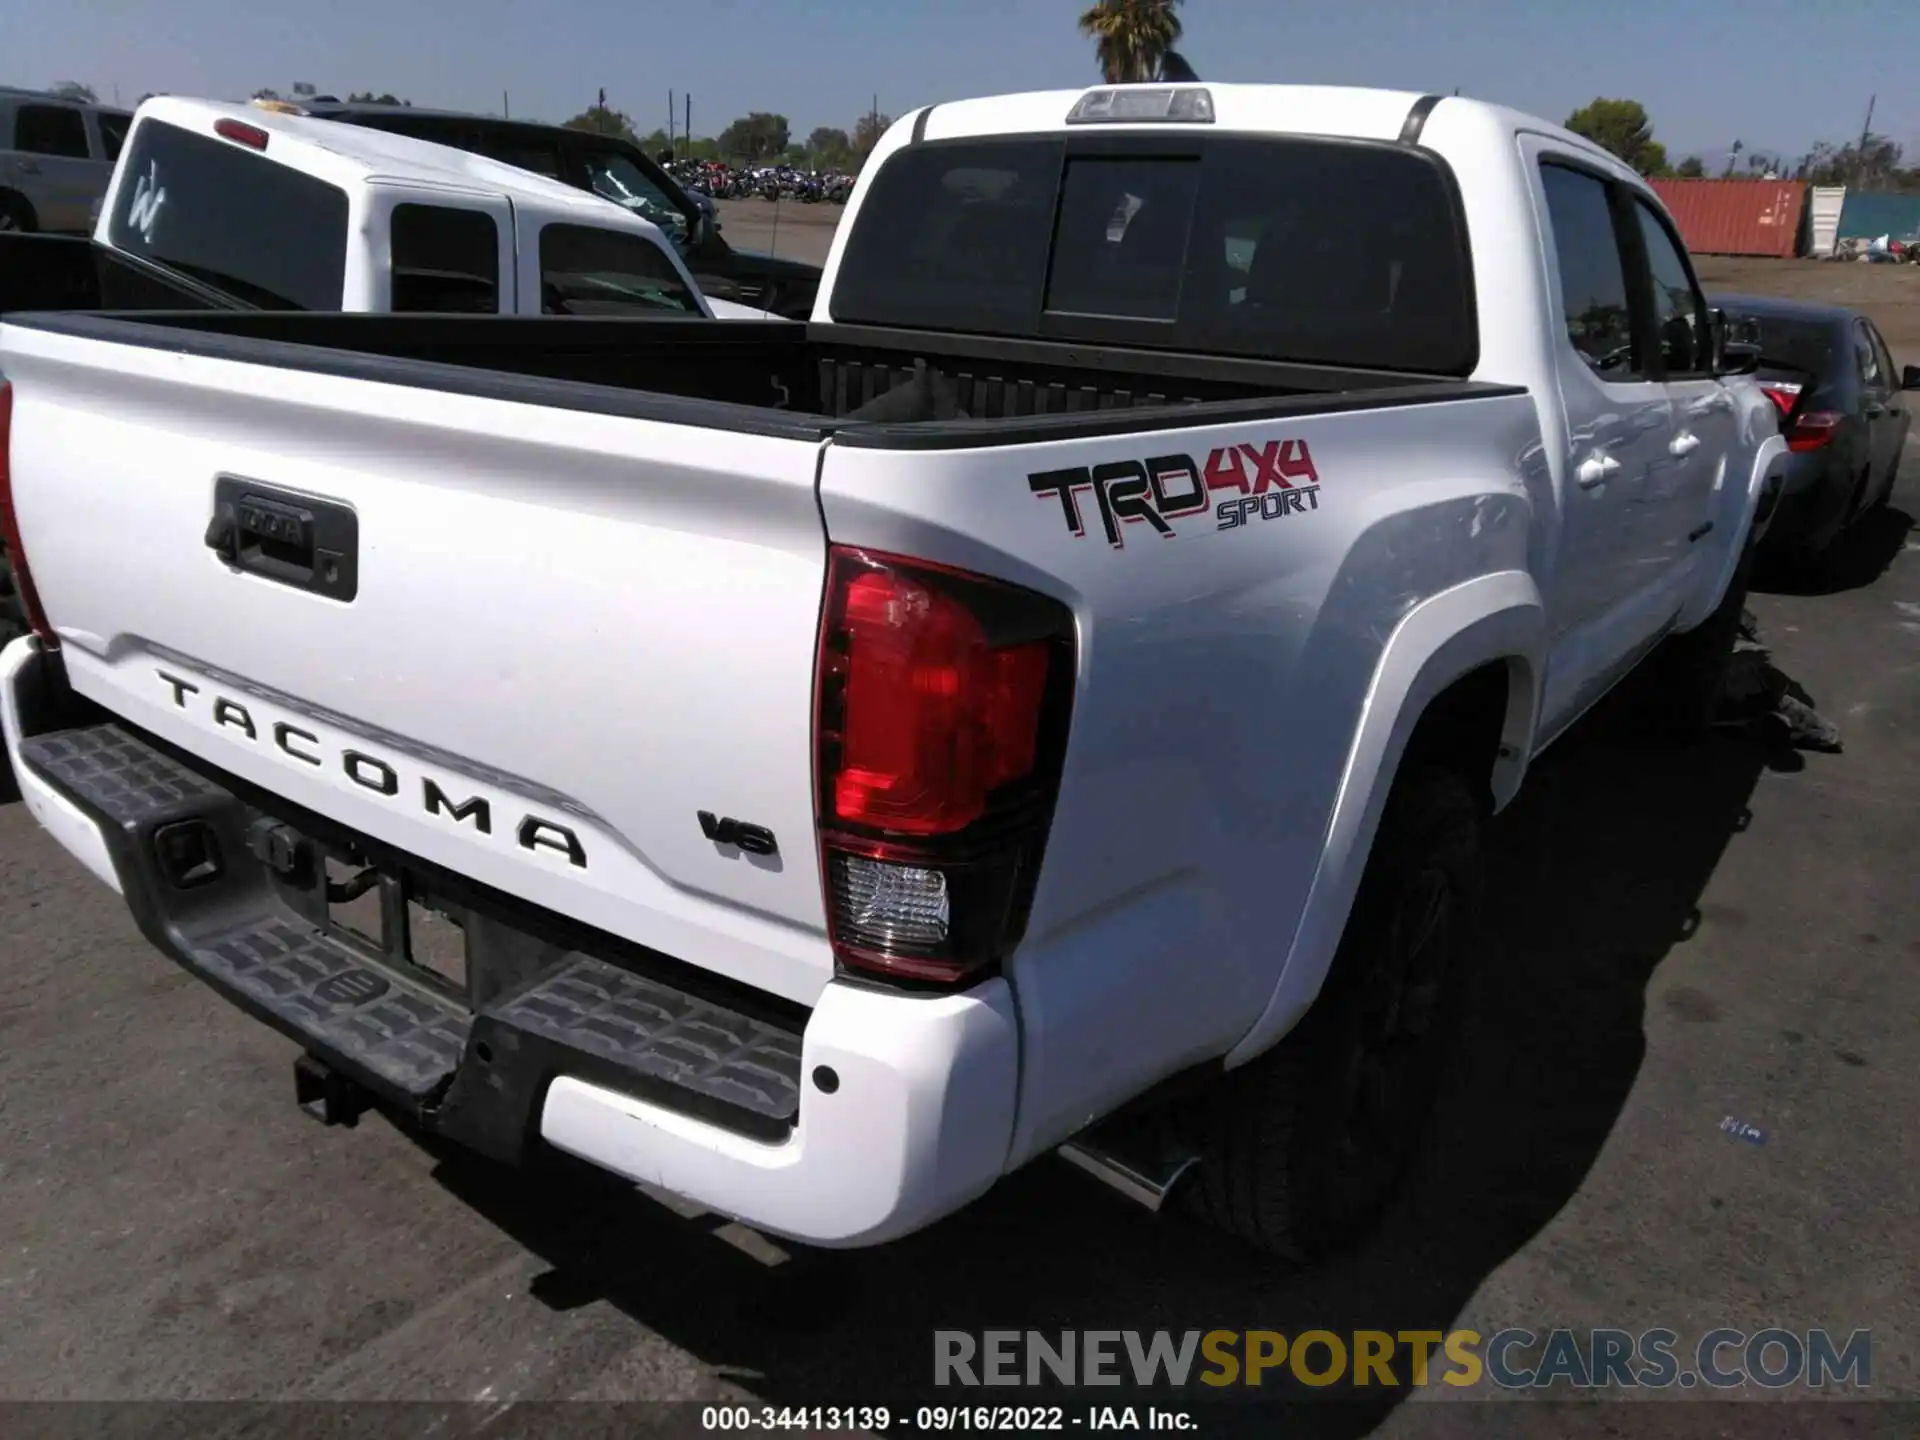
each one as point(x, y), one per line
point(1682, 938)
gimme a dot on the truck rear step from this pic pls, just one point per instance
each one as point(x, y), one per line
point(181, 844)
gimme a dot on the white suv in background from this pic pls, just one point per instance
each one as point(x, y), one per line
point(56, 156)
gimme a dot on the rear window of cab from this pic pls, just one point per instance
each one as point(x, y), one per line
point(1320, 251)
point(230, 217)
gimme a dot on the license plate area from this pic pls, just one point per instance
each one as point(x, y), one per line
point(396, 919)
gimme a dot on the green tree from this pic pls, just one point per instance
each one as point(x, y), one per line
point(867, 131)
point(1132, 39)
point(1622, 127)
point(654, 141)
point(830, 148)
point(1691, 168)
point(74, 90)
point(367, 97)
point(1873, 166)
point(759, 136)
point(603, 119)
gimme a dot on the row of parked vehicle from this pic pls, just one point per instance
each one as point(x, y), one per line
point(1052, 703)
point(763, 182)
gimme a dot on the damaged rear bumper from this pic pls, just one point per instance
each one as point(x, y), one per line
point(862, 1119)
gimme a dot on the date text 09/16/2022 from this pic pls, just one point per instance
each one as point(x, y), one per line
point(943, 1419)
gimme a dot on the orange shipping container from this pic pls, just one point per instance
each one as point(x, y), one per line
point(1737, 217)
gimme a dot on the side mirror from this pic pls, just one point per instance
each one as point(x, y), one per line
point(1739, 358)
point(1910, 378)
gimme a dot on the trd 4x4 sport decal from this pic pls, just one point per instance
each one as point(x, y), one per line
point(1269, 481)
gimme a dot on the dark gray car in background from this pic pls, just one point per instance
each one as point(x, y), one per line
point(1844, 409)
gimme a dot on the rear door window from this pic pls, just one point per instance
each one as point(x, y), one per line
point(1679, 309)
point(445, 260)
point(232, 218)
point(588, 271)
point(113, 131)
point(59, 130)
point(1882, 356)
point(542, 157)
point(1593, 273)
point(1307, 250)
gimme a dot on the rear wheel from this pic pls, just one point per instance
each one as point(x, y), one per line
point(1302, 1150)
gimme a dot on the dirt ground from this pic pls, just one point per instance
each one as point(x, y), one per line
point(1888, 293)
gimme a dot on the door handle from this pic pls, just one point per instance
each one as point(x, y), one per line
point(1685, 443)
point(1596, 470)
point(296, 540)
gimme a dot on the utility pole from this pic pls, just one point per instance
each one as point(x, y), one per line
point(506, 108)
point(687, 129)
point(1860, 153)
point(671, 142)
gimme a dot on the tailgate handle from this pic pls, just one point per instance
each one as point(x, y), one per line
point(286, 536)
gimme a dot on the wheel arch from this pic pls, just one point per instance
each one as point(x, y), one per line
point(12, 198)
point(1461, 678)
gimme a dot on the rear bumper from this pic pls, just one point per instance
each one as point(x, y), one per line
point(869, 1117)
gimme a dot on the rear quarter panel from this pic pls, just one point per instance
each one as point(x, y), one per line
point(1224, 675)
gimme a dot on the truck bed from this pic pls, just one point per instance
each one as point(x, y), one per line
point(777, 378)
point(70, 272)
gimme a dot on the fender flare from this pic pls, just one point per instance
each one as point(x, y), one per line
point(1739, 512)
point(1493, 619)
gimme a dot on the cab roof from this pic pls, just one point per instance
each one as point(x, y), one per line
point(347, 154)
point(1334, 111)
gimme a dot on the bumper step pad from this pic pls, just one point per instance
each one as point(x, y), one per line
point(476, 1077)
point(657, 1031)
point(322, 992)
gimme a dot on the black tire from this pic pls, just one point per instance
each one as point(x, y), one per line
point(1679, 687)
point(1303, 1149)
point(16, 213)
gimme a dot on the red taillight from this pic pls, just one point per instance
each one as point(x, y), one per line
point(10, 527)
point(241, 133)
point(1813, 429)
point(1784, 397)
point(940, 733)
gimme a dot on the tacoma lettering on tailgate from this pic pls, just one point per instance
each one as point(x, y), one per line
point(370, 772)
point(1268, 480)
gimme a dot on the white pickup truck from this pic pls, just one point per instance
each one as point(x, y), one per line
point(243, 206)
point(1061, 687)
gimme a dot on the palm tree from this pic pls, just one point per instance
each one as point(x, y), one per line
point(1133, 39)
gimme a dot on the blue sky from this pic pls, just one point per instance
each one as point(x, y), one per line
point(1777, 74)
